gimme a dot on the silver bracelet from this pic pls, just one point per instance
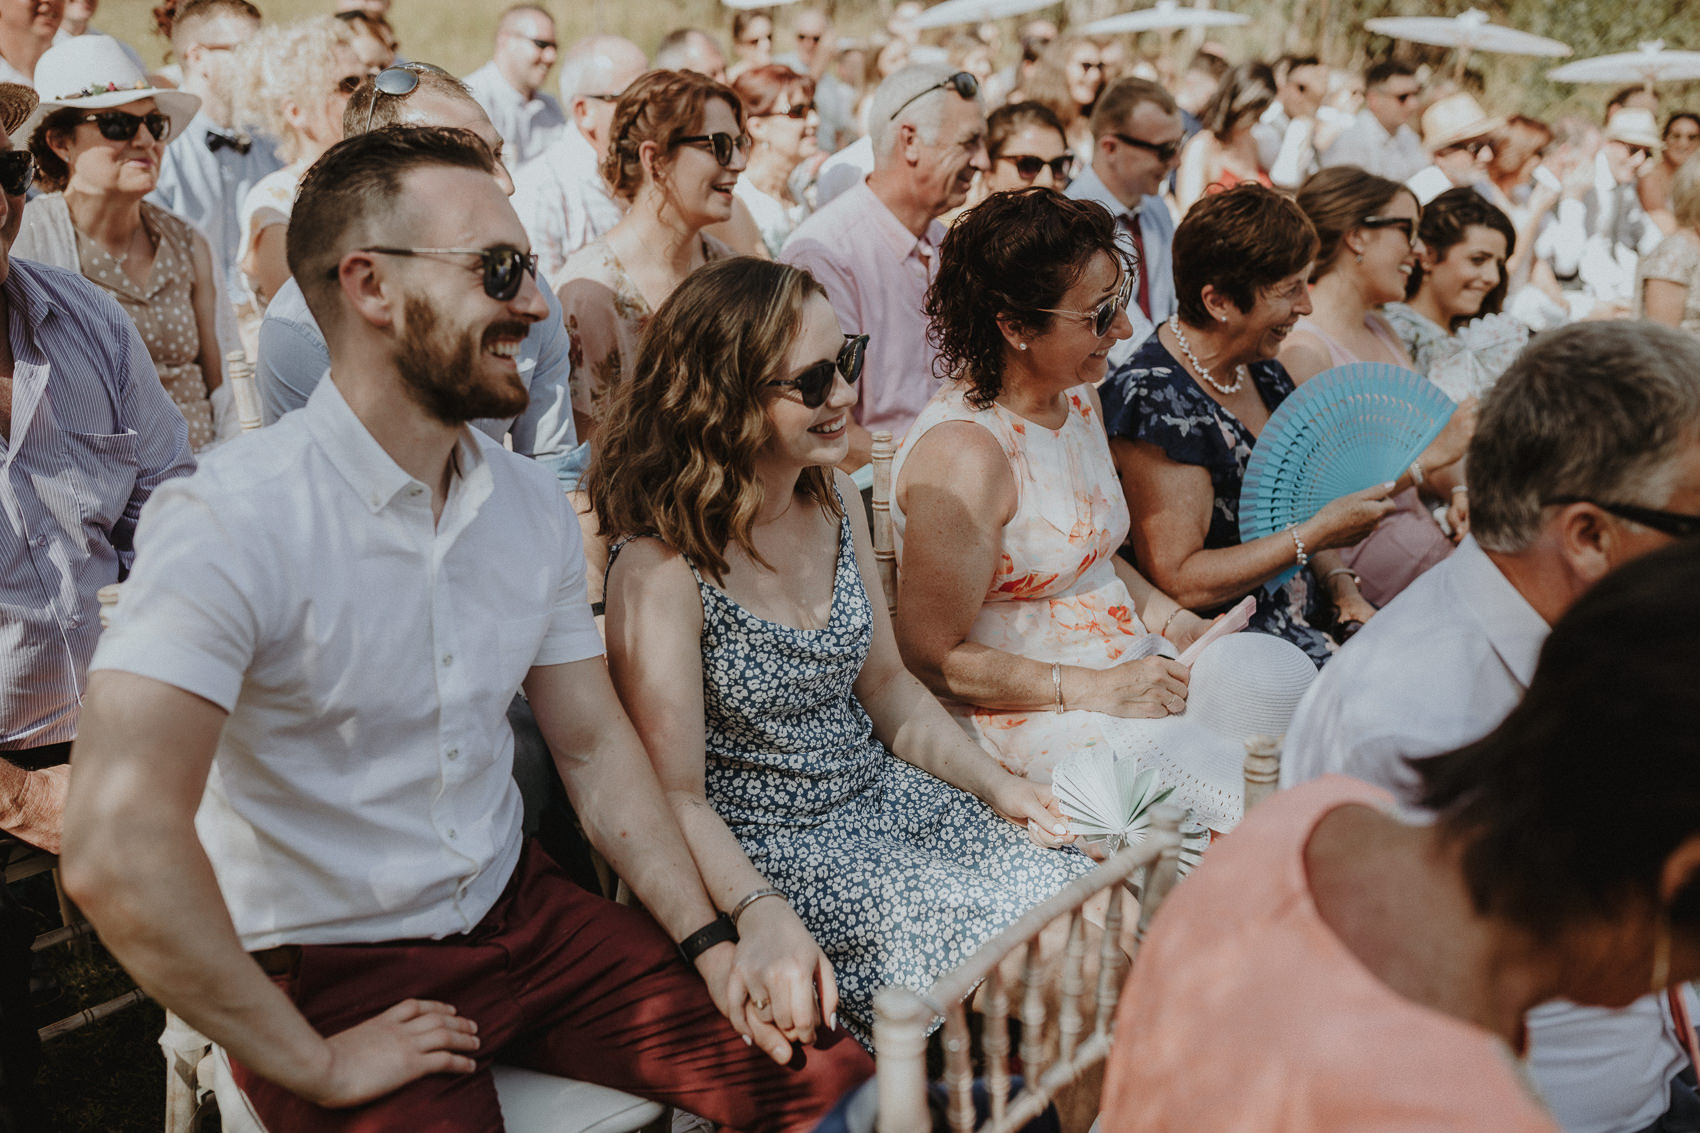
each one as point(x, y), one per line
point(1298, 545)
point(1417, 473)
point(1460, 489)
point(1056, 681)
point(1170, 620)
point(738, 909)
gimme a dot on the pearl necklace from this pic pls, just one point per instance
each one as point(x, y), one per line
point(1240, 372)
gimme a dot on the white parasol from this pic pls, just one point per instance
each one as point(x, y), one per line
point(1165, 15)
point(1470, 31)
point(953, 12)
point(747, 4)
point(1652, 64)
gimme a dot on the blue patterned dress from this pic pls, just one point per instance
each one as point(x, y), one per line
point(1151, 398)
point(899, 876)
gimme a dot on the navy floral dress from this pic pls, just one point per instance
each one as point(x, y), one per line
point(1151, 397)
point(898, 875)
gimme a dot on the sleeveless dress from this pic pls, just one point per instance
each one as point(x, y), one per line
point(1151, 398)
point(898, 875)
point(1409, 541)
point(1055, 595)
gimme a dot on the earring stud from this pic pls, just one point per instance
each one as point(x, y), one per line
point(1021, 346)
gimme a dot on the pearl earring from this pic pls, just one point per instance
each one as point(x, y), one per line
point(1021, 346)
point(1360, 257)
point(1221, 318)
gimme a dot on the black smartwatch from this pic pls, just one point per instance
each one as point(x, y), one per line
point(720, 930)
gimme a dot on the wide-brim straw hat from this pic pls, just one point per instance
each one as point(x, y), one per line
point(1246, 684)
point(1634, 126)
point(1455, 119)
point(16, 103)
point(92, 72)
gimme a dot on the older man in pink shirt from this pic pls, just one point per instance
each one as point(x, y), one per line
point(875, 247)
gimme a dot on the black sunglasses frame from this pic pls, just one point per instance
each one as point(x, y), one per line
point(1672, 523)
point(814, 383)
point(964, 84)
point(121, 125)
point(501, 267)
point(1405, 224)
point(17, 172)
point(1027, 165)
point(1163, 151)
point(721, 144)
point(798, 110)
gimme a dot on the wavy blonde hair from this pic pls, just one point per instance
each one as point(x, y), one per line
point(675, 454)
point(286, 64)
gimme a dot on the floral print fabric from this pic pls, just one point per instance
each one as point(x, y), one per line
point(898, 875)
point(1152, 398)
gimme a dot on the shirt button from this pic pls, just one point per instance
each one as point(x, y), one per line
point(41, 540)
point(74, 620)
point(453, 753)
point(416, 491)
point(451, 835)
point(448, 659)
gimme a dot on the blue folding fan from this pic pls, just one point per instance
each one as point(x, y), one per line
point(1341, 432)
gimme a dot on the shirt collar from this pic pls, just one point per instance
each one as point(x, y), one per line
point(25, 290)
point(1509, 623)
point(370, 471)
point(1090, 187)
point(902, 242)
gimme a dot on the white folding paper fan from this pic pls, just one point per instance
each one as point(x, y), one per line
point(1344, 430)
point(1105, 798)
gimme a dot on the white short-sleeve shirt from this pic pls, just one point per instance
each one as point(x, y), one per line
point(363, 787)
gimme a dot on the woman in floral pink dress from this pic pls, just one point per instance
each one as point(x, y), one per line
point(1014, 607)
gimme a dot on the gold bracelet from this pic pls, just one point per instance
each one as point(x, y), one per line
point(1170, 620)
point(1056, 680)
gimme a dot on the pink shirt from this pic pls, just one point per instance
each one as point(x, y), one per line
point(1246, 1014)
point(876, 272)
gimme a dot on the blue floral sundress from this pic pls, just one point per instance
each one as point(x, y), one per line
point(898, 875)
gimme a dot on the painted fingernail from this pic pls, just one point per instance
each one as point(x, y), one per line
point(835, 1020)
point(747, 1040)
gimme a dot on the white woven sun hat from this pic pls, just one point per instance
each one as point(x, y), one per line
point(92, 72)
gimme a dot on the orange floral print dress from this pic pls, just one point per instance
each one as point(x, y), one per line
point(1055, 596)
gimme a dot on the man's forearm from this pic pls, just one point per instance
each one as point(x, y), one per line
point(32, 803)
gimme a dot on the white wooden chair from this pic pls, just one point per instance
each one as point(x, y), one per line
point(885, 544)
point(1049, 1061)
point(1262, 768)
point(239, 372)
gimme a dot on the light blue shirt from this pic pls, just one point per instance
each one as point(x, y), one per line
point(1157, 231)
point(293, 358)
point(93, 434)
point(207, 189)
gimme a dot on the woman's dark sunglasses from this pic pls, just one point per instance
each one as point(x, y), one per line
point(1105, 314)
point(1672, 523)
point(799, 110)
point(721, 145)
point(121, 126)
point(814, 383)
point(17, 172)
point(1404, 224)
point(1028, 166)
point(502, 266)
point(962, 83)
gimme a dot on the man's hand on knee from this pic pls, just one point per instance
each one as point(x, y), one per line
point(32, 804)
point(414, 1038)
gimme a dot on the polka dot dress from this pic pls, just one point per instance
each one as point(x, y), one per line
point(899, 876)
point(163, 310)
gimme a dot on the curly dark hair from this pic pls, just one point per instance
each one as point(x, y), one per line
point(1444, 222)
point(1010, 256)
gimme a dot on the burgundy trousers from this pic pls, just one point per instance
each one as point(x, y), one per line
point(562, 981)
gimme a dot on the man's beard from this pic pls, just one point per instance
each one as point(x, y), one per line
point(439, 377)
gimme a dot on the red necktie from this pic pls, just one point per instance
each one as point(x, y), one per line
point(1131, 221)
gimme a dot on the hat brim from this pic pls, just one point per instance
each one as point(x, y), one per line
point(179, 106)
point(1479, 129)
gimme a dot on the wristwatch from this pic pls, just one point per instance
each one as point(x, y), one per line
point(720, 930)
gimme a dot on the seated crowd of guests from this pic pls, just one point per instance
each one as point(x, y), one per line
point(349, 645)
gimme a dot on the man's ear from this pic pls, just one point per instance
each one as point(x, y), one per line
point(1587, 539)
point(364, 288)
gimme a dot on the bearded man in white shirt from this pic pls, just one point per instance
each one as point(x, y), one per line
point(295, 758)
point(1586, 455)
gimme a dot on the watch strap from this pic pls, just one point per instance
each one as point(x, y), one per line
point(720, 930)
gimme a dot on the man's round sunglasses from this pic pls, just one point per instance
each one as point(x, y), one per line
point(814, 383)
point(503, 267)
point(1105, 314)
point(1672, 523)
point(17, 172)
point(1027, 166)
point(722, 145)
point(121, 126)
point(398, 81)
point(962, 83)
point(1164, 151)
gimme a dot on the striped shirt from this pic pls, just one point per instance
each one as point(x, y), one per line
point(92, 434)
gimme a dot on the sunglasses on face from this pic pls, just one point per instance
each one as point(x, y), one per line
point(799, 111)
point(808, 38)
point(813, 384)
point(503, 268)
point(964, 84)
point(17, 172)
point(120, 126)
point(1472, 147)
point(1027, 166)
point(1672, 523)
point(1105, 314)
point(1404, 224)
point(722, 145)
point(1163, 151)
point(540, 44)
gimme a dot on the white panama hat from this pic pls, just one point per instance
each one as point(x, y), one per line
point(92, 72)
point(1243, 685)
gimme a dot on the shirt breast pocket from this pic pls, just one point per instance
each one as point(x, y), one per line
point(101, 469)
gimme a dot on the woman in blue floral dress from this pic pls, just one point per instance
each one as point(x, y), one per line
point(799, 754)
point(1184, 411)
